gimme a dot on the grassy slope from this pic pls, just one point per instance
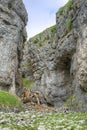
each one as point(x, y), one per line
point(7, 99)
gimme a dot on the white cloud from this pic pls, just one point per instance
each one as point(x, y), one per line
point(41, 14)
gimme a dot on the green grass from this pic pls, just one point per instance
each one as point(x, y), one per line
point(27, 83)
point(7, 99)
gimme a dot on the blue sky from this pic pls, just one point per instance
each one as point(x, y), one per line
point(41, 14)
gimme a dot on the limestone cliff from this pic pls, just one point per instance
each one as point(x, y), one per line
point(38, 54)
point(13, 18)
point(57, 58)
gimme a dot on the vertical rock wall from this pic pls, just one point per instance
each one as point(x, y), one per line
point(58, 63)
point(13, 18)
point(81, 56)
point(71, 41)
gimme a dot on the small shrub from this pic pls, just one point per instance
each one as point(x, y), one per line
point(41, 44)
point(36, 40)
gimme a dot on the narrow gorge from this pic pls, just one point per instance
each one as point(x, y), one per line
point(53, 62)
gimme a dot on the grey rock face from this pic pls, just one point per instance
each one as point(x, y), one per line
point(37, 54)
point(72, 52)
point(13, 18)
point(59, 62)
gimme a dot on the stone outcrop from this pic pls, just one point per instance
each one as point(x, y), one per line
point(13, 18)
point(57, 58)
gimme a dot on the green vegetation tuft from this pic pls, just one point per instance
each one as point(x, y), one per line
point(41, 44)
point(7, 99)
point(36, 40)
point(44, 37)
point(27, 83)
point(68, 6)
point(53, 29)
point(69, 24)
point(61, 10)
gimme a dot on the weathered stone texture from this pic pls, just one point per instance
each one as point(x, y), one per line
point(13, 18)
point(59, 62)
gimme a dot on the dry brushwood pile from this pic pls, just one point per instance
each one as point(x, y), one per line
point(33, 97)
point(34, 101)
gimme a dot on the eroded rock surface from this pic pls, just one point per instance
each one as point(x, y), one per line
point(13, 18)
point(57, 59)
